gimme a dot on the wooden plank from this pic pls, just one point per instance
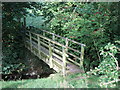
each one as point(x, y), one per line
point(54, 42)
point(45, 54)
point(74, 49)
point(76, 42)
point(27, 39)
point(27, 34)
point(35, 47)
point(73, 61)
point(34, 43)
point(74, 56)
point(58, 48)
point(58, 65)
point(58, 51)
point(34, 33)
point(57, 56)
point(44, 44)
point(35, 39)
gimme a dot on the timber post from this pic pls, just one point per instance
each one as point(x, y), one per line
point(39, 47)
point(64, 49)
point(43, 33)
point(30, 41)
point(24, 21)
point(53, 36)
point(50, 55)
point(82, 56)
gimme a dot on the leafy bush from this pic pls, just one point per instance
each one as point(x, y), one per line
point(108, 68)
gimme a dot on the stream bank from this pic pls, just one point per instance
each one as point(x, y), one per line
point(34, 68)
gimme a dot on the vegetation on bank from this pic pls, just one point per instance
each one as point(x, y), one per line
point(57, 81)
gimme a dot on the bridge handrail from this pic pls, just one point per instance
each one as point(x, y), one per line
point(58, 42)
point(64, 47)
point(62, 37)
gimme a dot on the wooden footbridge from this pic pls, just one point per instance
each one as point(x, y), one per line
point(59, 53)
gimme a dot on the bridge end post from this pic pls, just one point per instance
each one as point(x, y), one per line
point(82, 57)
point(64, 50)
point(39, 47)
point(50, 55)
point(64, 61)
point(30, 40)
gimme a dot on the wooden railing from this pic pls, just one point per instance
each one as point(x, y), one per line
point(55, 50)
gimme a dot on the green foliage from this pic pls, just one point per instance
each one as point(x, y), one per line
point(93, 24)
point(108, 68)
point(12, 40)
point(12, 55)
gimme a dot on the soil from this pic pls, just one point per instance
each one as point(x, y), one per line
point(35, 68)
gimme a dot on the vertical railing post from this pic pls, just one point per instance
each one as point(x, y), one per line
point(64, 50)
point(82, 56)
point(30, 41)
point(25, 40)
point(50, 55)
point(53, 37)
point(43, 33)
point(24, 21)
point(39, 47)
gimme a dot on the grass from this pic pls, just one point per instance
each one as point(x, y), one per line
point(56, 81)
point(34, 83)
